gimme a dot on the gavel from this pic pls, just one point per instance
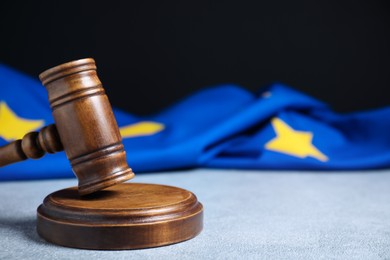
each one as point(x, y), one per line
point(85, 128)
point(124, 216)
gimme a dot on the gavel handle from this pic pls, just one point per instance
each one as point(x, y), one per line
point(33, 145)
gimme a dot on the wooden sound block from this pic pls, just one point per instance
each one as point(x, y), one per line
point(124, 216)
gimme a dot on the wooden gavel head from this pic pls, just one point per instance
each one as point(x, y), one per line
point(134, 215)
point(85, 127)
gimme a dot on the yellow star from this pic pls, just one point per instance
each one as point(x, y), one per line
point(13, 127)
point(292, 142)
point(141, 129)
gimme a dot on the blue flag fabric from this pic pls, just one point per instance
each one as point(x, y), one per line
point(220, 127)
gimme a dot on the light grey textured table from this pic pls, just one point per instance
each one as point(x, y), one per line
point(248, 215)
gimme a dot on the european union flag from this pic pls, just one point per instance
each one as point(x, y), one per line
point(222, 127)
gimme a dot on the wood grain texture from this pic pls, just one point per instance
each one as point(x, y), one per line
point(125, 216)
point(33, 145)
point(86, 125)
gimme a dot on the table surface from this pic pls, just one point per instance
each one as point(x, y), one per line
point(248, 215)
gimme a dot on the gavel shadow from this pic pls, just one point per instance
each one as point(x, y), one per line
point(21, 228)
point(25, 227)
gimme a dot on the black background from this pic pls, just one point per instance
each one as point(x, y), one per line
point(151, 53)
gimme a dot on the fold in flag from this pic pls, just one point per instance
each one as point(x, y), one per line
point(220, 127)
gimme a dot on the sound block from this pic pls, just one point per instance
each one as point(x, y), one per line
point(124, 216)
